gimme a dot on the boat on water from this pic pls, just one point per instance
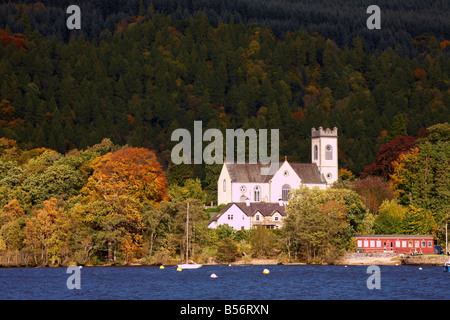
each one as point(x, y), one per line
point(447, 266)
point(189, 263)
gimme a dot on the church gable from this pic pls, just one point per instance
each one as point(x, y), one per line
point(283, 181)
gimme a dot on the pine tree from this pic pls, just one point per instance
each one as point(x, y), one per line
point(398, 127)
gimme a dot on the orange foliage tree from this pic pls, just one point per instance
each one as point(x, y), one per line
point(120, 184)
point(129, 171)
point(48, 231)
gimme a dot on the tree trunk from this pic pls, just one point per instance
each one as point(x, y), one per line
point(110, 253)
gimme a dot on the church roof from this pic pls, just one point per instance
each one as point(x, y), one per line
point(247, 172)
point(265, 208)
point(251, 173)
point(308, 172)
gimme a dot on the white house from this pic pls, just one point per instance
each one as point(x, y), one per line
point(247, 215)
point(241, 182)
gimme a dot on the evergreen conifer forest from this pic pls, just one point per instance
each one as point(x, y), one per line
point(83, 109)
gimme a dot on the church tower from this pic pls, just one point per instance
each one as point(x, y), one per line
point(324, 148)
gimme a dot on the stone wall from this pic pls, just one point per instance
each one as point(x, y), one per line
point(362, 255)
point(424, 260)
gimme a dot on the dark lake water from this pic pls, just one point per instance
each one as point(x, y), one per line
point(233, 283)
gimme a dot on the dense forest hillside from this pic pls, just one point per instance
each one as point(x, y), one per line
point(340, 20)
point(153, 74)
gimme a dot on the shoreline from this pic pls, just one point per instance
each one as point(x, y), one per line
point(348, 260)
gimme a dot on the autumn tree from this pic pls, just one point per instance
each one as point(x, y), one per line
point(11, 229)
point(47, 232)
point(122, 181)
point(389, 219)
point(321, 222)
point(387, 154)
point(421, 177)
point(373, 191)
point(418, 221)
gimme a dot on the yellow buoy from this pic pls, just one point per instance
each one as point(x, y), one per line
point(266, 271)
point(161, 267)
point(179, 269)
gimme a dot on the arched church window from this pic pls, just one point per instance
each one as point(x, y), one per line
point(328, 152)
point(257, 193)
point(285, 192)
point(316, 152)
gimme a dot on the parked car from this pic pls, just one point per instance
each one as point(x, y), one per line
point(438, 250)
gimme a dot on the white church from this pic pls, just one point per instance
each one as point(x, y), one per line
point(253, 199)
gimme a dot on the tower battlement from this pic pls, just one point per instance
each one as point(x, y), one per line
point(324, 133)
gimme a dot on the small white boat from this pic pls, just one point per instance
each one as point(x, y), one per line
point(191, 265)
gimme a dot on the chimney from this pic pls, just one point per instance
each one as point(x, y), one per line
point(281, 202)
point(247, 202)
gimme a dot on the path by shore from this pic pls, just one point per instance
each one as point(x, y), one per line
point(393, 259)
point(382, 258)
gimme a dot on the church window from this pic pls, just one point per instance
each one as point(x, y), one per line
point(316, 152)
point(285, 192)
point(243, 189)
point(328, 152)
point(242, 198)
point(286, 173)
point(257, 193)
point(224, 185)
point(329, 175)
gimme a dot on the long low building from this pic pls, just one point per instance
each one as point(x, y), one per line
point(395, 243)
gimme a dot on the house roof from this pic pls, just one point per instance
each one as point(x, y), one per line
point(251, 172)
point(265, 208)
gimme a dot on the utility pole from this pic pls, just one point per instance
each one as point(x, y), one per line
point(446, 250)
point(187, 233)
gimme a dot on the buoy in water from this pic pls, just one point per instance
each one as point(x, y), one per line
point(161, 267)
point(266, 271)
point(179, 269)
point(213, 275)
point(420, 268)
